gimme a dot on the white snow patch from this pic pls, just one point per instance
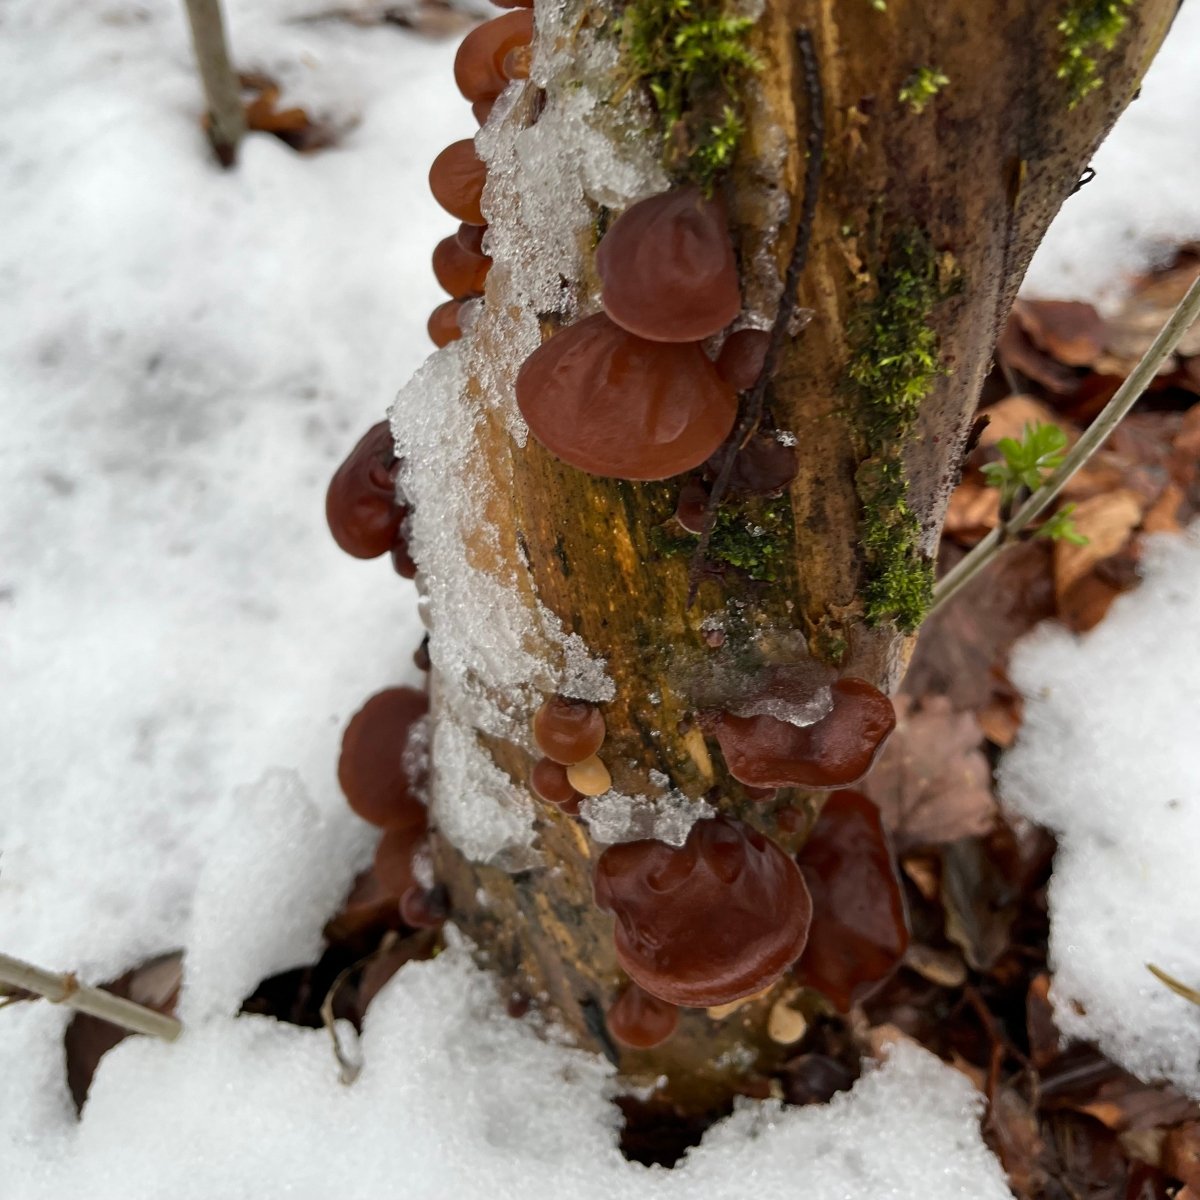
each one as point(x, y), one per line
point(614, 817)
point(1107, 758)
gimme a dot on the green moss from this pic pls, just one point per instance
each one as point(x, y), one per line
point(1088, 28)
point(752, 536)
point(921, 87)
point(894, 362)
point(695, 60)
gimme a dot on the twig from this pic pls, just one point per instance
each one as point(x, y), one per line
point(66, 989)
point(226, 119)
point(789, 299)
point(1180, 989)
point(1128, 394)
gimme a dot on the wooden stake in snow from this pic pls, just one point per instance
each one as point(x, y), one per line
point(226, 120)
point(65, 989)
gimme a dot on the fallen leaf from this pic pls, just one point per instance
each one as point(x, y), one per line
point(1071, 332)
point(1016, 352)
point(1107, 521)
point(1045, 1041)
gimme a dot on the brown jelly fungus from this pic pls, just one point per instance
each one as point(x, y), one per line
point(443, 324)
point(459, 271)
point(470, 238)
point(479, 66)
point(371, 766)
point(640, 1020)
point(568, 731)
point(668, 269)
point(456, 180)
point(742, 358)
point(859, 927)
point(402, 560)
point(395, 860)
point(616, 405)
point(549, 780)
point(764, 466)
point(424, 908)
point(709, 922)
point(360, 505)
point(835, 751)
point(691, 508)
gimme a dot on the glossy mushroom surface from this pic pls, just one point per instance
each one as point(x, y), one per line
point(640, 1020)
point(741, 359)
point(443, 327)
point(764, 466)
point(568, 731)
point(549, 780)
point(395, 860)
point(479, 66)
point(371, 765)
point(456, 180)
point(360, 504)
point(619, 406)
point(859, 925)
point(835, 751)
point(709, 922)
point(458, 270)
point(668, 268)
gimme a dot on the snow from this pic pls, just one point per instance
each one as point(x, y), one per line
point(613, 817)
point(1145, 199)
point(1107, 759)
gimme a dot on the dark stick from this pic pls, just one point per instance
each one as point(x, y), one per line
point(753, 409)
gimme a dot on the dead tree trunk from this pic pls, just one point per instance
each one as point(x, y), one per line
point(953, 132)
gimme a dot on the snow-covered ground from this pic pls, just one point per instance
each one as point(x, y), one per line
point(184, 357)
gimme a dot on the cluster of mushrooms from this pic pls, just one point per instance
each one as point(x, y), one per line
point(646, 389)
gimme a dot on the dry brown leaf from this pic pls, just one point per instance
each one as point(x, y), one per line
point(1181, 1154)
point(1128, 1103)
point(1044, 1039)
point(1016, 352)
point(1012, 1130)
point(1163, 515)
point(1107, 521)
point(1009, 417)
point(973, 511)
point(1071, 332)
point(943, 967)
point(1147, 309)
point(932, 782)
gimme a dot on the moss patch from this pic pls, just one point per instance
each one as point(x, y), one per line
point(695, 59)
point(894, 362)
point(921, 87)
point(1089, 28)
point(752, 536)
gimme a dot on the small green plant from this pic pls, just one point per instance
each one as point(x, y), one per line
point(921, 87)
point(1061, 528)
point(1023, 469)
point(1089, 27)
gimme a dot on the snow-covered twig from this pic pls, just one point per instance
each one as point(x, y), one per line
point(66, 989)
point(1127, 395)
point(226, 119)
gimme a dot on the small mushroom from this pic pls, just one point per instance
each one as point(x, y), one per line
point(590, 777)
point(402, 561)
point(668, 269)
point(859, 924)
point(549, 780)
point(443, 327)
point(424, 908)
point(360, 505)
point(640, 1020)
point(479, 66)
point(619, 406)
point(706, 923)
point(459, 271)
point(741, 360)
point(395, 860)
point(456, 180)
point(470, 238)
point(371, 766)
point(691, 507)
point(764, 466)
point(838, 750)
point(568, 731)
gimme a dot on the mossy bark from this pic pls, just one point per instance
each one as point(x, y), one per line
point(927, 219)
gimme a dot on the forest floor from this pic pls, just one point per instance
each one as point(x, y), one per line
point(186, 354)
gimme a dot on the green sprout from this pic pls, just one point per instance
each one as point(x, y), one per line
point(1026, 463)
point(1087, 27)
point(1061, 528)
point(921, 87)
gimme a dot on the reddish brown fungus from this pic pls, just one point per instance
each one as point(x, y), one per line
point(424, 908)
point(764, 466)
point(395, 860)
point(859, 927)
point(568, 731)
point(371, 767)
point(482, 109)
point(479, 66)
point(470, 238)
point(741, 360)
point(517, 62)
point(421, 655)
point(833, 752)
point(360, 505)
point(549, 780)
point(456, 180)
point(640, 1020)
point(668, 269)
point(692, 507)
point(459, 271)
point(707, 923)
point(402, 560)
point(443, 324)
point(616, 405)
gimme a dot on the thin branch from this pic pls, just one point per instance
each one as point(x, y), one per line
point(66, 989)
point(788, 301)
point(1180, 989)
point(222, 93)
point(1128, 394)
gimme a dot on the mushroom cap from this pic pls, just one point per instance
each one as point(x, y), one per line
point(470, 238)
point(549, 780)
point(568, 731)
point(360, 504)
point(402, 561)
point(371, 766)
point(859, 924)
point(616, 405)
point(833, 752)
point(668, 269)
point(691, 506)
point(443, 327)
point(458, 270)
point(456, 180)
point(479, 64)
point(395, 860)
point(640, 1020)
point(424, 908)
point(764, 466)
point(741, 360)
point(716, 919)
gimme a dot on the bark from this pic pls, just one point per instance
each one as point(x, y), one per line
point(226, 119)
point(947, 204)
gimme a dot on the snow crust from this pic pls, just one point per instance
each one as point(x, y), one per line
point(1107, 758)
point(614, 817)
point(1145, 199)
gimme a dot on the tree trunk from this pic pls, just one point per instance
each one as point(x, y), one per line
point(952, 134)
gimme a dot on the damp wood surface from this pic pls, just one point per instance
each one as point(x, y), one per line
point(965, 188)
